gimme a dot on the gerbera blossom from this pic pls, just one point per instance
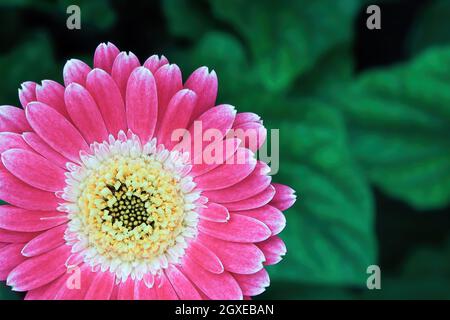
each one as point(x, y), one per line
point(103, 203)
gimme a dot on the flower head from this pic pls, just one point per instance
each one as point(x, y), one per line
point(126, 183)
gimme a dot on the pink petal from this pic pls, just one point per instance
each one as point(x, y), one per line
point(126, 290)
point(164, 289)
point(41, 147)
point(219, 118)
point(205, 85)
point(273, 248)
point(51, 93)
point(104, 56)
point(16, 237)
point(241, 165)
point(66, 290)
point(85, 114)
point(242, 258)
point(204, 257)
point(255, 183)
point(270, 216)
point(284, 197)
point(101, 286)
point(252, 134)
point(256, 201)
point(238, 229)
point(17, 219)
point(56, 130)
point(48, 291)
point(45, 242)
point(123, 65)
point(182, 286)
point(246, 117)
point(10, 257)
point(9, 140)
point(154, 62)
point(168, 82)
point(18, 193)
point(34, 170)
point(142, 103)
point(216, 286)
point(213, 155)
point(38, 271)
point(142, 292)
point(75, 71)
point(214, 212)
point(109, 100)
point(27, 93)
point(253, 284)
point(176, 116)
point(13, 119)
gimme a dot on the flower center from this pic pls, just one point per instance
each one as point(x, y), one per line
point(131, 206)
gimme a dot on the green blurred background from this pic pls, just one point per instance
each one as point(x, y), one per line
point(364, 118)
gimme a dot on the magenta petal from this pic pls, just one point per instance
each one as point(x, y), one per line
point(182, 286)
point(255, 183)
point(38, 271)
point(15, 236)
point(284, 197)
point(270, 216)
point(45, 242)
point(241, 165)
point(101, 286)
point(75, 71)
point(164, 289)
point(256, 201)
point(207, 160)
point(238, 229)
point(168, 82)
point(125, 290)
point(48, 291)
point(273, 248)
point(252, 134)
point(10, 257)
point(27, 93)
point(205, 85)
point(52, 94)
point(214, 212)
point(242, 258)
point(85, 114)
point(41, 147)
point(56, 130)
point(104, 56)
point(67, 291)
point(18, 193)
point(246, 117)
point(253, 284)
point(34, 169)
point(216, 286)
point(154, 62)
point(142, 292)
point(142, 103)
point(13, 119)
point(9, 140)
point(17, 219)
point(109, 100)
point(204, 257)
point(123, 65)
point(176, 116)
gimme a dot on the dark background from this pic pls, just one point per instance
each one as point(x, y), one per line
point(407, 238)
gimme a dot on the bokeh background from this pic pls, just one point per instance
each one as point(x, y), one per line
point(364, 118)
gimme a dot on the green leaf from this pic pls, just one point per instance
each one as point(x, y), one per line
point(330, 231)
point(30, 61)
point(430, 28)
point(7, 294)
point(399, 121)
point(287, 37)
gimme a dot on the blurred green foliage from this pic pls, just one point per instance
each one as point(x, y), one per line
point(342, 134)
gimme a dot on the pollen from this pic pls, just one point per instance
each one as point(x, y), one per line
point(132, 208)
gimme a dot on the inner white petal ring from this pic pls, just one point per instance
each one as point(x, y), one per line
point(132, 207)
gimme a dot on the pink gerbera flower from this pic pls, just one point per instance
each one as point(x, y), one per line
point(104, 203)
